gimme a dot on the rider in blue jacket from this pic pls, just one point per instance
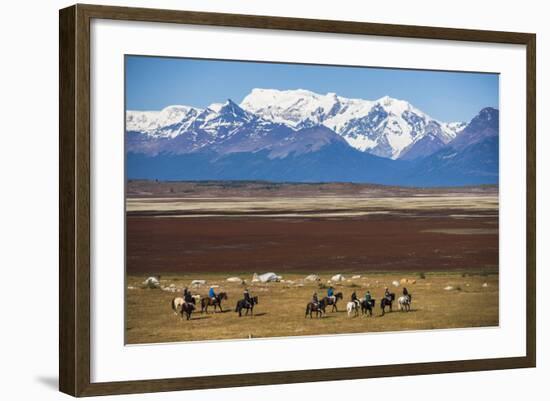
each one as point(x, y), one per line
point(330, 292)
point(211, 293)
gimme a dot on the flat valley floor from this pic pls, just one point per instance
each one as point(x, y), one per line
point(215, 230)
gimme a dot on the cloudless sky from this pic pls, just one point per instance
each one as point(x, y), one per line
point(153, 83)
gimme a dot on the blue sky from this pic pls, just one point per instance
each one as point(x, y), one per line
point(153, 83)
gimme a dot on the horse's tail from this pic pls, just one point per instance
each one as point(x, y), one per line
point(174, 304)
point(237, 307)
point(307, 310)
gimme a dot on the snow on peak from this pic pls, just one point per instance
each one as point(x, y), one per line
point(386, 127)
point(151, 122)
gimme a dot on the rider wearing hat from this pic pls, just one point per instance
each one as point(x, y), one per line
point(212, 293)
point(330, 293)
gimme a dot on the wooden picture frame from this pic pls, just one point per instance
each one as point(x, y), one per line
point(74, 198)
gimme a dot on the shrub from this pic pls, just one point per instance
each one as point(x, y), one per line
point(422, 276)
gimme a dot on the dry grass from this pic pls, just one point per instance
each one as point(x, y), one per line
point(282, 305)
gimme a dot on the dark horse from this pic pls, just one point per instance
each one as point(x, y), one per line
point(249, 306)
point(387, 301)
point(318, 308)
point(366, 307)
point(333, 301)
point(217, 302)
point(187, 309)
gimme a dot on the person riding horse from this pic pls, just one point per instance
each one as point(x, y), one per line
point(330, 294)
point(315, 299)
point(354, 298)
point(187, 296)
point(368, 297)
point(247, 297)
point(212, 294)
point(405, 292)
point(387, 294)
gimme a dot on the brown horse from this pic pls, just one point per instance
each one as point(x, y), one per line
point(318, 308)
point(333, 301)
point(216, 302)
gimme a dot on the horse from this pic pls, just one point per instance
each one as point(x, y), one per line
point(353, 306)
point(405, 303)
point(387, 301)
point(217, 302)
point(179, 301)
point(186, 308)
point(333, 300)
point(366, 307)
point(249, 306)
point(318, 308)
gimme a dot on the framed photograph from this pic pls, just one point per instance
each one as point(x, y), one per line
point(250, 200)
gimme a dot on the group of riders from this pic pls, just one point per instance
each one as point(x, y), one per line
point(367, 298)
point(190, 300)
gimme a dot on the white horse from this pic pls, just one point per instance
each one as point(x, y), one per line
point(405, 303)
point(353, 307)
point(178, 302)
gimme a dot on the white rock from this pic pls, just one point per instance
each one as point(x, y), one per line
point(395, 283)
point(337, 278)
point(356, 276)
point(235, 280)
point(449, 288)
point(266, 277)
point(313, 277)
point(151, 282)
point(485, 285)
point(197, 283)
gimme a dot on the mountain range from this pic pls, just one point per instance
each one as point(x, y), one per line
point(299, 135)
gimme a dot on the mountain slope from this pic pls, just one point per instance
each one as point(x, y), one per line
point(390, 143)
point(384, 127)
point(472, 158)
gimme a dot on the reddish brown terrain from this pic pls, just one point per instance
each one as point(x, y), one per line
point(170, 228)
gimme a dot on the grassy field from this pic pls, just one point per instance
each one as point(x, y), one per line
point(472, 302)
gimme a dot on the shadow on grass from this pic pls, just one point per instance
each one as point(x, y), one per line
point(201, 317)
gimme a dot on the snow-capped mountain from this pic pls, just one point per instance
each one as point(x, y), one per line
point(383, 127)
point(166, 123)
point(224, 141)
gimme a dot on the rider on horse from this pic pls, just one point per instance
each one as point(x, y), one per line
point(330, 294)
point(315, 299)
point(354, 298)
point(212, 293)
point(405, 292)
point(247, 297)
point(368, 297)
point(187, 297)
point(387, 294)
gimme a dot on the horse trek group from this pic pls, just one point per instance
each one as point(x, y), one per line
point(356, 304)
point(187, 304)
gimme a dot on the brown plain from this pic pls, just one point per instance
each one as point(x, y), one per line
point(214, 230)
